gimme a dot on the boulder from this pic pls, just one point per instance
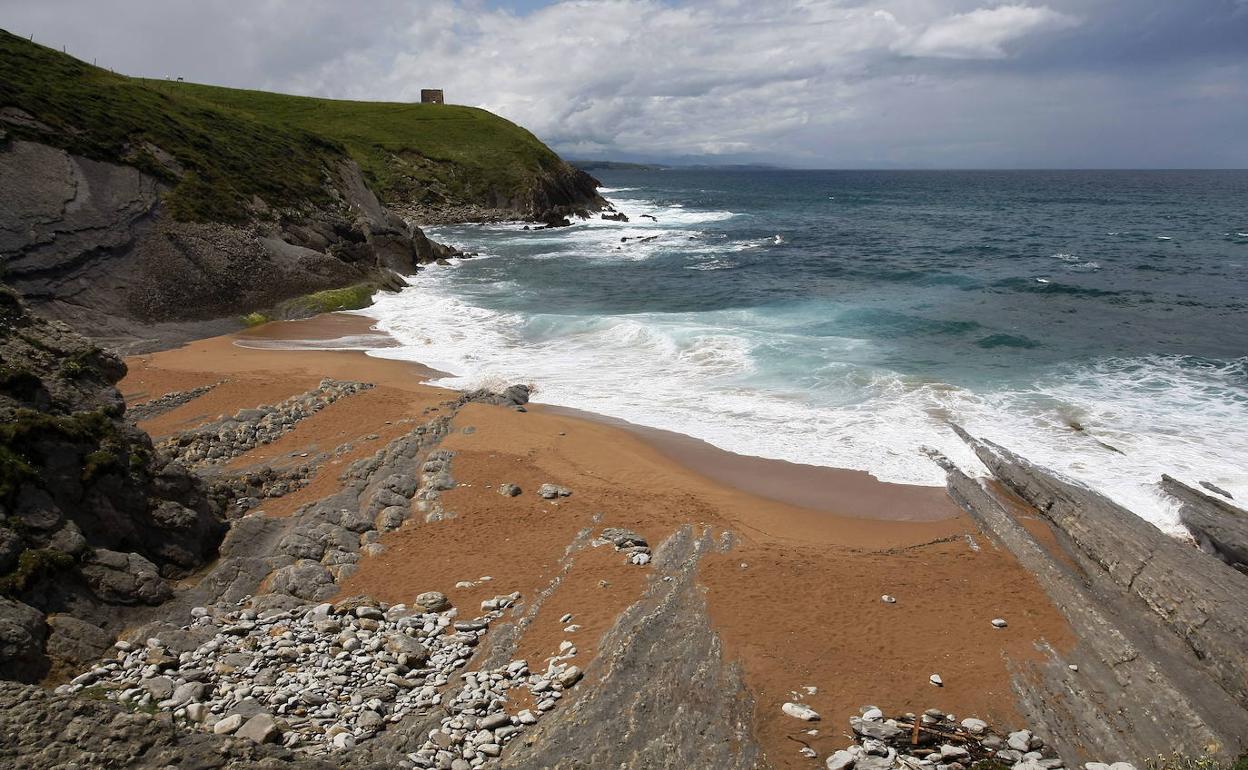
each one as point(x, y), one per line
point(76, 642)
point(119, 578)
point(432, 601)
point(305, 579)
point(22, 634)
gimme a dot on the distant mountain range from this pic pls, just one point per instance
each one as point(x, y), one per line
point(613, 165)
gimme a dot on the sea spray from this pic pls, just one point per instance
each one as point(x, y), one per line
point(902, 304)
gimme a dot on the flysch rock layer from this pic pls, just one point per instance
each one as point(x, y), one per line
point(1160, 666)
point(90, 243)
point(1221, 529)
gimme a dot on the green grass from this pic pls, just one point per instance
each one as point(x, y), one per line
point(232, 145)
point(407, 151)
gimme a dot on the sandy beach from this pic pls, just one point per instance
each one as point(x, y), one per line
point(796, 600)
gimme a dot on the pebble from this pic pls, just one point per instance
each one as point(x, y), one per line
point(999, 623)
point(936, 680)
point(228, 724)
point(800, 711)
point(325, 678)
point(885, 743)
point(552, 491)
point(887, 599)
point(974, 726)
point(1020, 740)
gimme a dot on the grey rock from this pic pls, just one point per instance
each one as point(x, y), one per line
point(840, 760)
point(11, 547)
point(306, 580)
point(661, 657)
point(1219, 527)
point(228, 725)
point(160, 687)
point(1156, 667)
point(22, 634)
point(553, 491)
point(260, 728)
point(432, 601)
point(75, 642)
point(391, 518)
point(119, 578)
point(869, 728)
point(44, 730)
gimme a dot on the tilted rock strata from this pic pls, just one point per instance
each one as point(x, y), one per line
point(1221, 529)
point(90, 243)
point(661, 672)
point(1134, 687)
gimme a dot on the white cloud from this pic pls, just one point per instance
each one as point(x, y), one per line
point(701, 77)
point(983, 33)
point(845, 82)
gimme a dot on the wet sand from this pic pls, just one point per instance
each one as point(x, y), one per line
point(796, 601)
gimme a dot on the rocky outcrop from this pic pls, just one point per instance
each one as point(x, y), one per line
point(1220, 528)
point(553, 195)
point(663, 694)
point(1158, 668)
point(93, 521)
point(44, 730)
point(563, 191)
point(91, 243)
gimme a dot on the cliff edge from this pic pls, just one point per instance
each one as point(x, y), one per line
point(146, 213)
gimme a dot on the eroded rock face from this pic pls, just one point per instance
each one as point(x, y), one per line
point(92, 519)
point(90, 243)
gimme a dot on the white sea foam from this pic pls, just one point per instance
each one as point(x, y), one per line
point(704, 374)
point(713, 264)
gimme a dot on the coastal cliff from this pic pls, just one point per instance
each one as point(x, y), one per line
point(147, 212)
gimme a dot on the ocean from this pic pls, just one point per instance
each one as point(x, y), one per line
point(1095, 322)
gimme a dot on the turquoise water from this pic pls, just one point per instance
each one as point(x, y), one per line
point(843, 318)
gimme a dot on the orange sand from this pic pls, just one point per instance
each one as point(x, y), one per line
point(796, 601)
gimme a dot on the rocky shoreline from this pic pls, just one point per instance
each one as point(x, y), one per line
point(298, 639)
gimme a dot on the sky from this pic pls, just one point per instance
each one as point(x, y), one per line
point(803, 83)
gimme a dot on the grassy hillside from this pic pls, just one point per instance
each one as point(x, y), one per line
point(229, 145)
point(403, 148)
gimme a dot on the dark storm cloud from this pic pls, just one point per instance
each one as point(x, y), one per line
point(926, 83)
